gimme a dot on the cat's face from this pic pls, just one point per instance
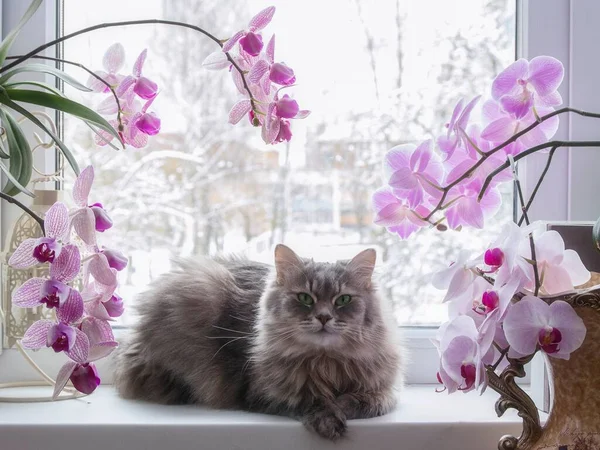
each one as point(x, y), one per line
point(321, 305)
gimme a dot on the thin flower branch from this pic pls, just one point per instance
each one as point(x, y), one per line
point(60, 39)
point(468, 172)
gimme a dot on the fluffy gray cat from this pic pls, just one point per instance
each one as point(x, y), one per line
point(305, 339)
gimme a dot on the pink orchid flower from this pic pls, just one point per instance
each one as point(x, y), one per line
point(98, 298)
point(276, 126)
point(464, 207)
point(413, 170)
point(502, 126)
point(82, 371)
point(266, 70)
point(556, 329)
point(559, 269)
point(456, 127)
point(87, 219)
point(395, 214)
point(60, 336)
point(502, 256)
point(54, 292)
point(142, 86)
point(457, 278)
point(145, 122)
point(33, 251)
point(525, 84)
point(462, 347)
point(250, 40)
point(113, 61)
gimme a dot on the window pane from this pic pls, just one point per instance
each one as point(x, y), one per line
point(375, 74)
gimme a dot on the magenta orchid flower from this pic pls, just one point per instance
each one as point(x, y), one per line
point(142, 86)
point(457, 278)
point(97, 297)
point(456, 127)
point(266, 71)
point(555, 329)
point(250, 40)
point(60, 336)
point(525, 84)
point(464, 207)
point(54, 292)
point(34, 251)
point(395, 214)
point(113, 61)
point(278, 113)
point(462, 348)
point(116, 260)
point(414, 171)
point(559, 269)
point(87, 219)
point(82, 371)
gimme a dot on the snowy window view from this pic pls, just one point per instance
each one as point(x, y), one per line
point(374, 74)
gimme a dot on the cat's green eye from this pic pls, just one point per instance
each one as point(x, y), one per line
point(343, 300)
point(305, 299)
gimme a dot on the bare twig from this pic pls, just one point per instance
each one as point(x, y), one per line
point(33, 215)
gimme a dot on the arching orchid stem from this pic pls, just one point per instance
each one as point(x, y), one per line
point(99, 26)
point(33, 215)
point(520, 195)
point(503, 353)
point(538, 184)
point(81, 66)
point(499, 147)
point(551, 144)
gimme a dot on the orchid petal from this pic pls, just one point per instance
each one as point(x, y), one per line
point(63, 377)
point(36, 335)
point(455, 114)
point(139, 63)
point(238, 81)
point(28, 294)
point(391, 215)
point(421, 156)
point(95, 84)
point(80, 349)
point(545, 74)
point(124, 86)
point(523, 322)
point(262, 19)
point(572, 328)
point(97, 330)
point(108, 106)
point(506, 80)
point(114, 58)
point(101, 350)
point(459, 284)
point(82, 186)
point(227, 46)
point(302, 114)
point(270, 52)
point(84, 223)
point(72, 309)
point(239, 110)
point(100, 269)
point(404, 229)
point(216, 61)
point(258, 71)
point(67, 265)
point(572, 263)
point(499, 130)
point(404, 178)
point(22, 258)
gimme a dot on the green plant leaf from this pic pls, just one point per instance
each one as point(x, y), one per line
point(38, 84)
point(62, 104)
point(18, 108)
point(44, 68)
point(9, 39)
point(21, 158)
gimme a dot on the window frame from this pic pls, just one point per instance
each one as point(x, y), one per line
point(543, 27)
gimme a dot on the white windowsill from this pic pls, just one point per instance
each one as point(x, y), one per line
point(424, 420)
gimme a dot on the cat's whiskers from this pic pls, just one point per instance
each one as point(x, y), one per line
point(226, 344)
point(229, 329)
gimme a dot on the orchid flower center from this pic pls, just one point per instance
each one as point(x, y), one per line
point(51, 300)
point(468, 371)
point(549, 338)
point(46, 250)
point(61, 343)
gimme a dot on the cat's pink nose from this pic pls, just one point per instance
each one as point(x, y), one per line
point(324, 318)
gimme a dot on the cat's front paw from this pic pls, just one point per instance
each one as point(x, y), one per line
point(327, 423)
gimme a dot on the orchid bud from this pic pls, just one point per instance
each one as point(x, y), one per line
point(287, 108)
point(285, 131)
point(494, 257)
point(46, 249)
point(145, 88)
point(103, 221)
point(148, 124)
point(114, 306)
point(85, 378)
point(282, 74)
point(116, 260)
point(252, 43)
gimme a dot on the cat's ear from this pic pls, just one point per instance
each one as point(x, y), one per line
point(286, 262)
point(362, 266)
